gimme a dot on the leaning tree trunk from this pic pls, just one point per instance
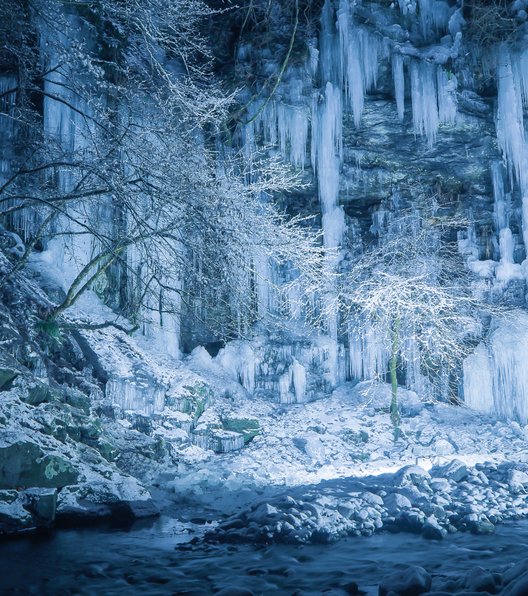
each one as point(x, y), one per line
point(395, 347)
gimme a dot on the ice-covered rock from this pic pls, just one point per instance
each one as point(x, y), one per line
point(412, 476)
point(517, 480)
point(455, 470)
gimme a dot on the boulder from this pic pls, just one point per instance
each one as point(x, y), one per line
point(455, 470)
point(395, 502)
point(24, 465)
point(412, 476)
point(14, 517)
point(42, 503)
point(517, 481)
point(480, 580)
point(412, 581)
point(432, 530)
point(7, 376)
point(248, 427)
point(119, 498)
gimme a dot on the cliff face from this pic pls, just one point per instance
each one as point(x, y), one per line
point(391, 107)
point(380, 108)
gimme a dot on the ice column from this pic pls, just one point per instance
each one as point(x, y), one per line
point(502, 200)
point(326, 149)
point(433, 98)
point(512, 80)
point(399, 83)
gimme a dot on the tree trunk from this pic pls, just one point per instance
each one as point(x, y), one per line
point(394, 411)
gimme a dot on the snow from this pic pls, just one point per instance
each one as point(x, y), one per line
point(348, 434)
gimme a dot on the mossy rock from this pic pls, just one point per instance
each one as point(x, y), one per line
point(23, 465)
point(57, 472)
point(7, 376)
point(91, 430)
point(77, 400)
point(193, 401)
point(40, 393)
point(142, 424)
point(107, 450)
point(42, 503)
point(249, 428)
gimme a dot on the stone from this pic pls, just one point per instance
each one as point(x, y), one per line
point(373, 498)
point(39, 393)
point(443, 447)
point(24, 465)
point(411, 581)
point(7, 376)
point(42, 503)
point(78, 400)
point(395, 502)
point(14, 517)
point(480, 580)
point(481, 526)
point(122, 499)
point(454, 470)
point(410, 521)
point(432, 530)
point(411, 475)
point(517, 481)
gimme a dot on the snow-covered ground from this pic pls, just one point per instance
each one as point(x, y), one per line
point(348, 434)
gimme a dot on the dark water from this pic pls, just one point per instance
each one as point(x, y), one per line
point(154, 558)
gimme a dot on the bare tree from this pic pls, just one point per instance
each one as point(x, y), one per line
point(115, 113)
point(412, 291)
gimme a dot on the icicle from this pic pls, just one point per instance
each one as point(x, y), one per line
point(507, 270)
point(478, 383)
point(520, 68)
point(434, 16)
point(358, 60)
point(510, 124)
point(326, 149)
point(446, 86)
point(399, 83)
point(328, 49)
point(238, 358)
point(424, 100)
point(368, 357)
point(502, 200)
point(135, 395)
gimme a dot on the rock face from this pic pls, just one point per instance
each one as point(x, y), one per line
point(55, 452)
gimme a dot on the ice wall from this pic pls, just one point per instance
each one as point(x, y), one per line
point(496, 375)
point(291, 370)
